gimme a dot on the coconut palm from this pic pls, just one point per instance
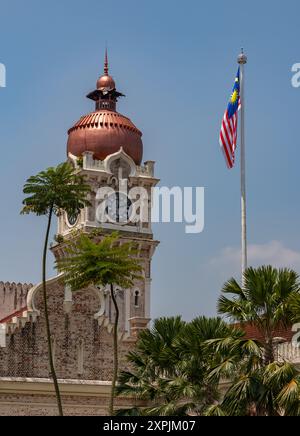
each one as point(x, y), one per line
point(92, 260)
point(48, 193)
point(170, 365)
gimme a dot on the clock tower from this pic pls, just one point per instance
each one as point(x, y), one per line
point(106, 147)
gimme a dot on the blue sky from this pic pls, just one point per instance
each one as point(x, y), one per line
point(176, 63)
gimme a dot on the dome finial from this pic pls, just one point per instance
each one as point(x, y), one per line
point(106, 63)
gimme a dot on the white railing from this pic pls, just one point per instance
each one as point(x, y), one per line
point(288, 351)
point(92, 164)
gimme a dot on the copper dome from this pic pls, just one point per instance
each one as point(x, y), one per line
point(105, 131)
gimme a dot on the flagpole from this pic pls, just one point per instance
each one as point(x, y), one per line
point(242, 60)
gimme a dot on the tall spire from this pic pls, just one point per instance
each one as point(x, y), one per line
point(105, 95)
point(106, 63)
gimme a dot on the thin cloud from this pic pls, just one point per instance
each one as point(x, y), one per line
point(274, 253)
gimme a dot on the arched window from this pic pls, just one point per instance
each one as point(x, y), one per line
point(136, 298)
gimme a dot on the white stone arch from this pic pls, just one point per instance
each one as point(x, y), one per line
point(99, 291)
point(68, 297)
point(120, 155)
point(72, 159)
point(31, 304)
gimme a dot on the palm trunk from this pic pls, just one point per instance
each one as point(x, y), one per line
point(50, 354)
point(269, 358)
point(269, 352)
point(269, 346)
point(115, 369)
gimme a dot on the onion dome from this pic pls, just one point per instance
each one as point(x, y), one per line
point(105, 131)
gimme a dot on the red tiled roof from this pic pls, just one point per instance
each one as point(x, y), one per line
point(253, 333)
point(12, 315)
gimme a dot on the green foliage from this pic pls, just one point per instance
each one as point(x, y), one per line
point(48, 193)
point(214, 410)
point(80, 161)
point(178, 367)
point(55, 189)
point(260, 385)
point(59, 238)
point(107, 261)
point(294, 303)
point(271, 390)
point(265, 299)
point(170, 365)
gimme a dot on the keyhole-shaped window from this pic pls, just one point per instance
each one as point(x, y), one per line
point(137, 298)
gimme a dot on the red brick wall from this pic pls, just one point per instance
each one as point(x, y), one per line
point(26, 352)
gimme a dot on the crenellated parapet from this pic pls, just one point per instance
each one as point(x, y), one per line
point(12, 297)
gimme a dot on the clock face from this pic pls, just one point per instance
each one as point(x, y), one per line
point(72, 219)
point(118, 208)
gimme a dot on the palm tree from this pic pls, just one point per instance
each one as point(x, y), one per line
point(154, 362)
point(283, 380)
point(260, 384)
point(90, 260)
point(264, 302)
point(267, 390)
point(48, 193)
point(170, 365)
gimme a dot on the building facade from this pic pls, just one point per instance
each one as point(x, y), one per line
point(107, 149)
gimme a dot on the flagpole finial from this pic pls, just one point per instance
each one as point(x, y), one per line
point(242, 58)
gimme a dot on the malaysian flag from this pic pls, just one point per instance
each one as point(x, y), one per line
point(228, 134)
